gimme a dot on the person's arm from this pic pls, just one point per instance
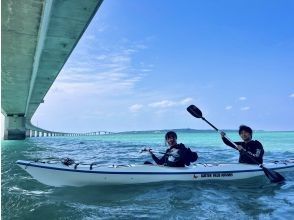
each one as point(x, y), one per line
point(157, 160)
point(229, 143)
point(226, 141)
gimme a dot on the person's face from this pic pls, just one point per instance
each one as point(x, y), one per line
point(246, 136)
point(171, 141)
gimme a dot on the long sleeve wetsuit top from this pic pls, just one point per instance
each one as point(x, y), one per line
point(253, 148)
point(173, 157)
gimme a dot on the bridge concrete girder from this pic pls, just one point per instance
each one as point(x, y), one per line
point(38, 36)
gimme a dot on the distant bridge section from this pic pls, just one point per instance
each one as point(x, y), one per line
point(42, 133)
point(38, 36)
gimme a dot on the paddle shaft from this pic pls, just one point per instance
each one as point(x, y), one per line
point(158, 152)
point(215, 128)
point(204, 119)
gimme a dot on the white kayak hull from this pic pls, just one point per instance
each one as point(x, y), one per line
point(58, 174)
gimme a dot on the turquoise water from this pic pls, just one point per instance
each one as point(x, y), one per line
point(25, 198)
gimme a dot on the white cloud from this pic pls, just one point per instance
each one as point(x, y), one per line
point(170, 103)
point(136, 107)
point(246, 108)
point(112, 72)
point(242, 98)
point(229, 107)
point(140, 46)
point(162, 104)
point(146, 70)
point(291, 95)
point(186, 101)
point(102, 83)
point(90, 37)
point(120, 59)
point(101, 57)
point(130, 51)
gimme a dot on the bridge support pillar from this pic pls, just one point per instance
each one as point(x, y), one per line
point(28, 133)
point(14, 127)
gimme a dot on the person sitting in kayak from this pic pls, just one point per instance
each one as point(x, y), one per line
point(253, 147)
point(177, 155)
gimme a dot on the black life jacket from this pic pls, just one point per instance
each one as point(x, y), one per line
point(190, 157)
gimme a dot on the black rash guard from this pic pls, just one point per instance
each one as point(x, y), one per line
point(253, 148)
point(173, 157)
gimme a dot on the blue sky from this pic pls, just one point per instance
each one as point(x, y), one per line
point(141, 63)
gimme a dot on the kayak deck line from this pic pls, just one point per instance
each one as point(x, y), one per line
point(182, 172)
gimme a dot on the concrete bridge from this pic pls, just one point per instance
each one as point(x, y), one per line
point(38, 133)
point(38, 36)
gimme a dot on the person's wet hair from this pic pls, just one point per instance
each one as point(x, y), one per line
point(171, 134)
point(245, 128)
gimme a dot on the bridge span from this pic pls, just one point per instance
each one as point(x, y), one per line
point(38, 36)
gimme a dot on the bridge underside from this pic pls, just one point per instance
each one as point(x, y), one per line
point(37, 38)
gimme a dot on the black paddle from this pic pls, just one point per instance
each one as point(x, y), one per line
point(273, 176)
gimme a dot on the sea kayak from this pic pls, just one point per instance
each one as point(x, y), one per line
point(58, 174)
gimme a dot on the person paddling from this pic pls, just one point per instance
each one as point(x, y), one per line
point(253, 147)
point(177, 155)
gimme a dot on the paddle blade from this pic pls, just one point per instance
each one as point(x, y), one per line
point(193, 110)
point(273, 176)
